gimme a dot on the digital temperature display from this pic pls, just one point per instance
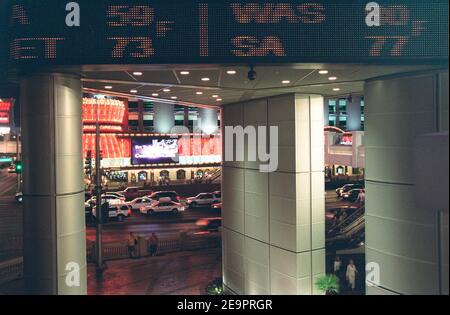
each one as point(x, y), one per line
point(90, 32)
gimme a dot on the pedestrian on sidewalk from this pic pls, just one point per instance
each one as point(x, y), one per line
point(351, 275)
point(153, 244)
point(337, 265)
point(361, 198)
point(131, 245)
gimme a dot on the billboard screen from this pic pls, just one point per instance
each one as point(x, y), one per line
point(154, 151)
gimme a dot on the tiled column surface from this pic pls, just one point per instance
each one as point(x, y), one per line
point(274, 223)
point(164, 117)
point(400, 236)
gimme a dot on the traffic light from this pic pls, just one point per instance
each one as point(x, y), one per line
point(88, 163)
point(19, 167)
point(101, 155)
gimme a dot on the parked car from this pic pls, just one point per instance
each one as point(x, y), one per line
point(140, 202)
point(204, 199)
point(210, 224)
point(119, 195)
point(118, 212)
point(163, 205)
point(111, 199)
point(131, 193)
point(12, 169)
point(347, 188)
point(351, 195)
point(165, 194)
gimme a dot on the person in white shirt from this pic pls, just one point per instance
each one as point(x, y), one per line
point(361, 197)
point(351, 274)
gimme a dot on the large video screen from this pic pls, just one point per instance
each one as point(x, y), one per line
point(154, 151)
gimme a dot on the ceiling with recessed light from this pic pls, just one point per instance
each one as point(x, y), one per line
point(219, 85)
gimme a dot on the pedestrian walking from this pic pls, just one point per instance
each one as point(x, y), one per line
point(337, 265)
point(361, 198)
point(131, 245)
point(153, 244)
point(351, 274)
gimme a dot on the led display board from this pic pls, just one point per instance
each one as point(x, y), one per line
point(89, 32)
point(154, 151)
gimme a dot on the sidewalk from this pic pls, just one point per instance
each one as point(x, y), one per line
point(181, 273)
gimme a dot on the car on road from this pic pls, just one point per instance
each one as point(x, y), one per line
point(204, 199)
point(351, 195)
point(163, 205)
point(131, 193)
point(165, 194)
point(140, 202)
point(12, 169)
point(112, 193)
point(217, 206)
point(118, 212)
point(346, 188)
point(210, 224)
point(111, 199)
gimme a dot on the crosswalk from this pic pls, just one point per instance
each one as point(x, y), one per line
point(7, 183)
point(10, 216)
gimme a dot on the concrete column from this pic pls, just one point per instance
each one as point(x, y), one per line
point(402, 236)
point(54, 223)
point(354, 114)
point(274, 223)
point(207, 122)
point(164, 117)
point(140, 116)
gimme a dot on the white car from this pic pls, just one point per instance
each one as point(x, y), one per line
point(119, 212)
point(111, 193)
point(111, 199)
point(163, 205)
point(204, 199)
point(138, 203)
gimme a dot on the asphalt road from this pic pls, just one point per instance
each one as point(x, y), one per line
point(161, 224)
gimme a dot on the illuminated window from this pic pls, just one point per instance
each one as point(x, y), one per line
point(332, 106)
point(332, 121)
point(343, 122)
point(342, 107)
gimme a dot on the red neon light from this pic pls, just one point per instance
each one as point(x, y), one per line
point(110, 111)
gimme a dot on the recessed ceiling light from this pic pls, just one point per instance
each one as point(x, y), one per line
point(166, 90)
point(205, 79)
point(323, 71)
point(332, 78)
point(133, 91)
point(173, 97)
point(108, 87)
point(199, 93)
point(285, 81)
point(137, 73)
point(336, 89)
point(219, 100)
point(155, 94)
point(231, 72)
point(184, 72)
point(215, 96)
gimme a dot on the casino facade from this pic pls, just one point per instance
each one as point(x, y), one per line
point(157, 74)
